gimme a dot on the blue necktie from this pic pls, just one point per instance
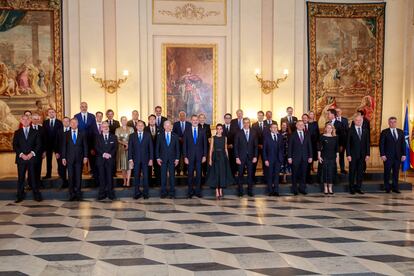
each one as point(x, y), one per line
point(240, 124)
point(182, 127)
point(140, 137)
point(74, 137)
point(247, 135)
point(195, 136)
point(168, 138)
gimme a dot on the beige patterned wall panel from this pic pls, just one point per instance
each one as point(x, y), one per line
point(195, 12)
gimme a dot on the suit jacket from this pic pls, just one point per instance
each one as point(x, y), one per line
point(195, 151)
point(161, 126)
point(177, 128)
point(299, 151)
point(165, 152)
point(313, 131)
point(91, 121)
point(75, 153)
point(140, 151)
point(391, 148)
point(229, 134)
point(51, 133)
point(355, 147)
point(110, 146)
point(292, 125)
point(207, 129)
point(260, 131)
point(266, 123)
point(130, 123)
point(114, 126)
point(21, 145)
point(60, 139)
point(341, 132)
point(273, 151)
point(243, 149)
point(234, 125)
point(42, 135)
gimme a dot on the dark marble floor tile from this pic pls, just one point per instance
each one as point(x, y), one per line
point(316, 217)
point(198, 267)
point(402, 243)
point(216, 213)
point(240, 223)
point(372, 219)
point(40, 215)
point(137, 219)
point(282, 271)
point(265, 215)
point(131, 262)
point(242, 250)
point(63, 257)
point(11, 252)
point(356, 228)
point(55, 239)
point(167, 211)
point(312, 254)
point(100, 228)
point(271, 237)
point(387, 258)
point(12, 273)
point(154, 231)
point(49, 225)
point(113, 243)
point(297, 226)
point(337, 240)
point(211, 234)
point(175, 246)
point(10, 236)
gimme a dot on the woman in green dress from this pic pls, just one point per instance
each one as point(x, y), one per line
point(219, 174)
point(123, 133)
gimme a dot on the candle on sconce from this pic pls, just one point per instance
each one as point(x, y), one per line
point(93, 71)
point(257, 71)
point(285, 72)
point(125, 73)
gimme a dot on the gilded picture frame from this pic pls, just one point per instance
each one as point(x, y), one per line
point(346, 59)
point(189, 80)
point(31, 71)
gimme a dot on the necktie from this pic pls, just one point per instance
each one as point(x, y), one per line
point(240, 125)
point(168, 138)
point(84, 119)
point(290, 119)
point(106, 138)
point(301, 137)
point(306, 128)
point(261, 125)
point(359, 133)
point(52, 122)
point(158, 121)
point(99, 128)
point(195, 135)
point(247, 135)
point(110, 122)
point(140, 137)
point(394, 134)
point(182, 127)
point(269, 122)
point(26, 132)
point(227, 128)
point(152, 131)
point(274, 137)
point(74, 137)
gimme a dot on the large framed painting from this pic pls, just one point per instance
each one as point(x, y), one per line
point(346, 57)
point(30, 62)
point(190, 80)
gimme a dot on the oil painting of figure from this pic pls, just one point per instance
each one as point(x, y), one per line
point(189, 81)
point(346, 58)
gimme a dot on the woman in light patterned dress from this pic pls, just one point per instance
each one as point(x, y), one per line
point(123, 133)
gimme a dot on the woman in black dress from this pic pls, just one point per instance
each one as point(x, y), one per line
point(328, 155)
point(219, 174)
point(285, 132)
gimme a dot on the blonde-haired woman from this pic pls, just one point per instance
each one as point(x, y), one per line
point(328, 154)
point(123, 133)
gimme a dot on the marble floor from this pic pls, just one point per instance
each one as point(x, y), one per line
point(371, 234)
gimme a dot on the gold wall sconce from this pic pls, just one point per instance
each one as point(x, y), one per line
point(110, 86)
point(269, 85)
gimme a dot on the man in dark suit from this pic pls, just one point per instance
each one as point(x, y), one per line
point(246, 151)
point(229, 133)
point(290, 119)
point(179, 129)
point(140, 156)
point(237, 123)
point(74, 153)
point(134, 120)
point(273, 151)
point(60, 138)
point(342, 139)
point(260, 129)
point(159, 119)
point(195, 154)
point(269, 121)
point(313, 131)
point(51, 127)
point(357, 152)
point(153, 130)
point(95, 130)
point(392, 152)
point(299, 156)
point(26, 145)
point(113, 124)
point(36, 125)
point(106, 146)
point(168, 156)
point(207, 129)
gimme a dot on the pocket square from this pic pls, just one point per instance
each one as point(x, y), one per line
point(111, 142)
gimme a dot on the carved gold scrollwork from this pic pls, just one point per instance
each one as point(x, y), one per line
point(189, 11)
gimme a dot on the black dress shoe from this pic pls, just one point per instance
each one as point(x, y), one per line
point(295, 193)
point(387, 191)
point(72, 198)
point(270, 194)
point(352, 192)
point(172, 196)
point(139, 196)
point(396, 191)
point(276, 194)
point(199, 195)
point(101, 198)
point(241, 194)
point(46, 177)
point(38, 198)
point(146, 196)
point(18, 200)
point(250, 194)
point(360, 192)
point(163, 196)
point(344, 172)
point(112, 197)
